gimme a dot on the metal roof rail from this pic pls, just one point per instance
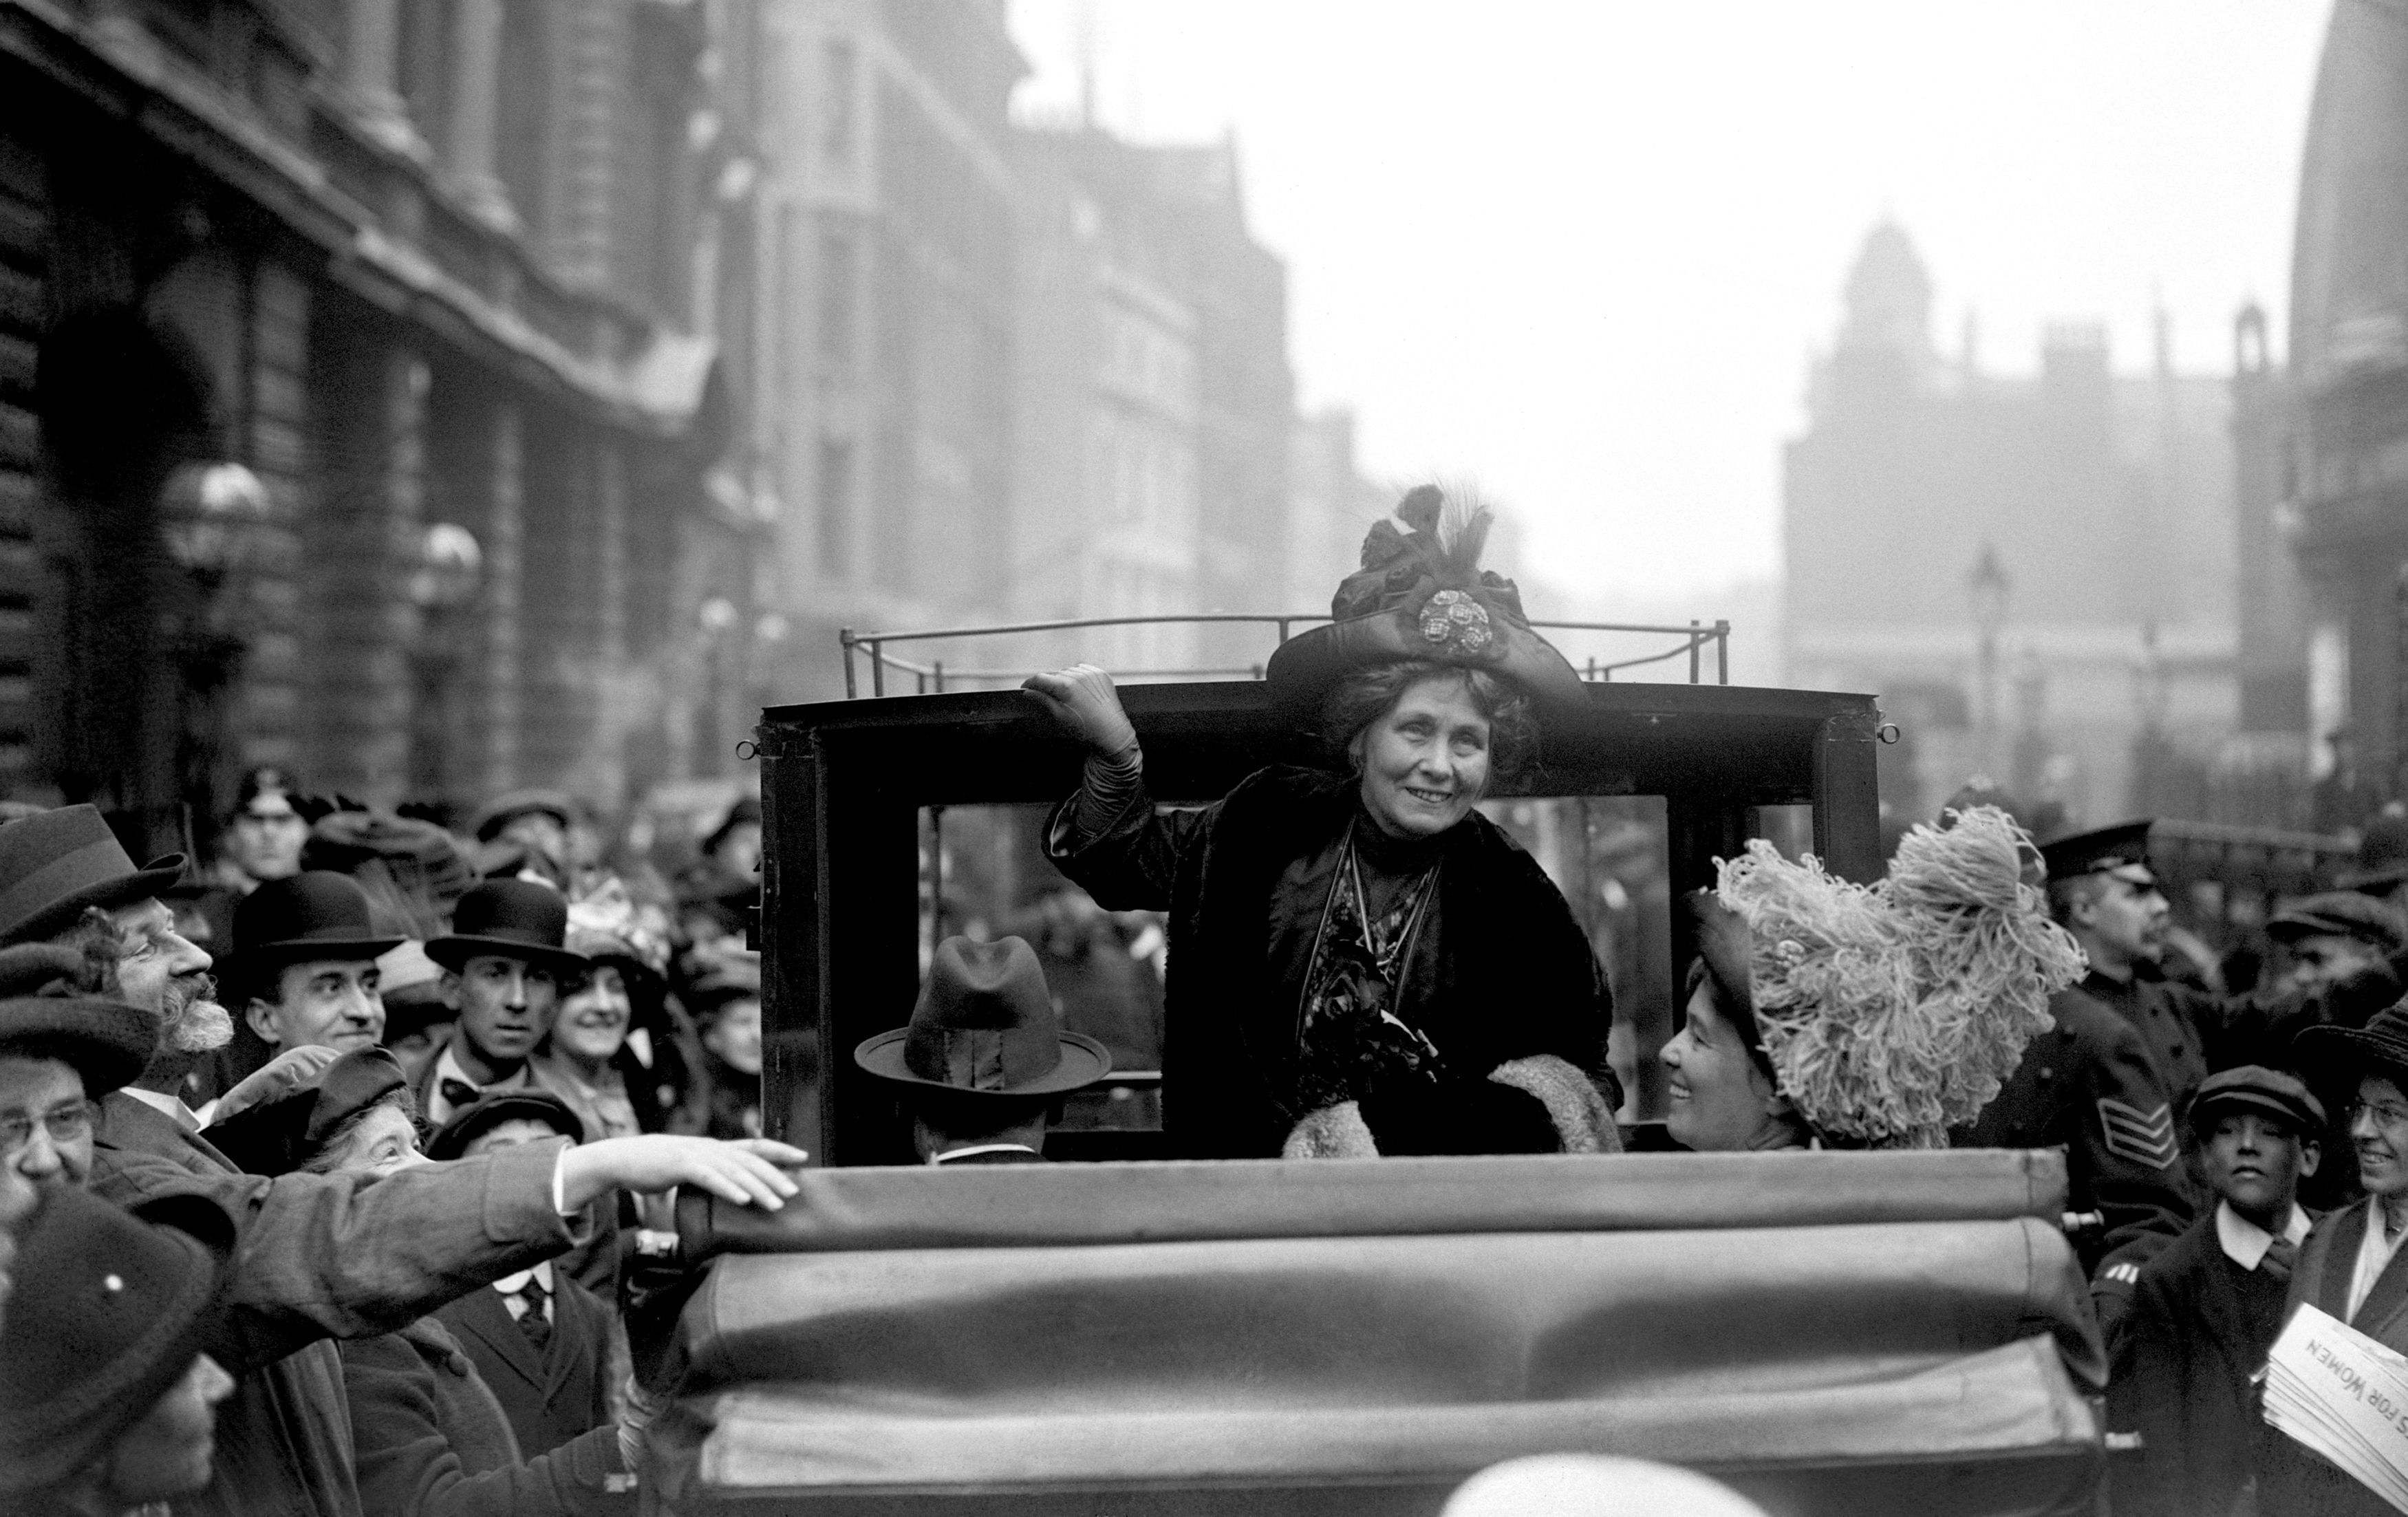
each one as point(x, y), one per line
point(930, 678)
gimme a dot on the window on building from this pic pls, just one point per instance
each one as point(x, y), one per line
point(836, 281)
point(838, 114)
point(835, 504)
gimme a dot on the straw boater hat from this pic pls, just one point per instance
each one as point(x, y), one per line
point(985, 1026)
point(1888, 1013)
point(1420, 594)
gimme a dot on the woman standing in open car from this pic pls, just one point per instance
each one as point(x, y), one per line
point(1360, 963)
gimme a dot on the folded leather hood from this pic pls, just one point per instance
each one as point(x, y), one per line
point(1294, 1336)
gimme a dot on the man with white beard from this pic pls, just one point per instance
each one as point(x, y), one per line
point(320, 1257)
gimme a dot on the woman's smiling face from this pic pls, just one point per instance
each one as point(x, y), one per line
point(593, 1022)
point(1720, 1098)
point(1425, 760)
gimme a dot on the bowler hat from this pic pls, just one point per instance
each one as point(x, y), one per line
point(985, 1026)
point(2379, 1048)
point(2340, 913)
point(2098, 851)
point(509, 807)
point(278, 1137)
point(516, 919)
point(54, 864)
point(2254, 1087)
point(488, 1112)
point(1421, 596)
point(107, 1315)
point(315, 914)
point(42, 1016)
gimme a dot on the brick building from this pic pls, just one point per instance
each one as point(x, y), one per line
point(284, 289)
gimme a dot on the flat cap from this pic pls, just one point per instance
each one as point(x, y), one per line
point(2253, 1087)
point(2340, 913)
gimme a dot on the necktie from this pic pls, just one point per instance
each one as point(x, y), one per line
point(532, 1322)
point(458, 1091)
point(2281, 1255)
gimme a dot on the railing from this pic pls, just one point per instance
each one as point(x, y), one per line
point(932, 678)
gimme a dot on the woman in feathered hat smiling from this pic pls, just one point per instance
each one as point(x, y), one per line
point(1361, 964)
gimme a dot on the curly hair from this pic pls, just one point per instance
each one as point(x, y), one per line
point(1365, 695)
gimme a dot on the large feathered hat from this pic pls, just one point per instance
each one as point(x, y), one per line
point(1893, 1012)
point(1422, 594)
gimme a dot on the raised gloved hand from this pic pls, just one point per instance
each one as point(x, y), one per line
point(1082, 700)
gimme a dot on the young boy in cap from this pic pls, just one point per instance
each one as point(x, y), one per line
point(2206, 1311)
point(984, 1056)
point(505, 960)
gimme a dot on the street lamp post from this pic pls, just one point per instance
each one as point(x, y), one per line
point(1987, 587)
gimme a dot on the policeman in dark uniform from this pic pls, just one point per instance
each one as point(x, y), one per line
point(2094, 1086)
point(2102, 890)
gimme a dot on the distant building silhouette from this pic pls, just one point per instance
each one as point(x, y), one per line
point(2345, 465)
point(2101, 503)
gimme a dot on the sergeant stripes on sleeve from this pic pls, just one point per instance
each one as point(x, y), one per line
point(2145, 1138)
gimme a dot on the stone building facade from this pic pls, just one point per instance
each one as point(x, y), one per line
point(353, 412)
point(2102, 504)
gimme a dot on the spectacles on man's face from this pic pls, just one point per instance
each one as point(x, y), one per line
point(2386, 1114)
point(70, 1123)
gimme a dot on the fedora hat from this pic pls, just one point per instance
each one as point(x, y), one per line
point(315, 914)
point(106, 1313)
point(1421, 596)
point(516, 919)
point(483, 1115)
point(54, 864)
point(985, 1026)
point(278, 1137)
point(43, 1017)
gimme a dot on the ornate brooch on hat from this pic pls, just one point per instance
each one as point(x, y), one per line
point(1422, 595)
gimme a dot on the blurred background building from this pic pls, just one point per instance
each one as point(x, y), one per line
point(2036, 573)
point(357, 409)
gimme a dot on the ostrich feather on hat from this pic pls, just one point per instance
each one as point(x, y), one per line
point(1894, 1011)
point(1421, 596)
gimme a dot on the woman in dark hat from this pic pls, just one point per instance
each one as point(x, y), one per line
point(1361, 963)
point(2352, 1266)
point(108, 1401)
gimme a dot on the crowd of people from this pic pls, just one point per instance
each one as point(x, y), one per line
point(321, 1165)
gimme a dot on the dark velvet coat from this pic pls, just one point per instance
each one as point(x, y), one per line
point(1501, 970)
point(433, 1442)
point(551, 1395)
point(321, 1255)
point(2198, 1328)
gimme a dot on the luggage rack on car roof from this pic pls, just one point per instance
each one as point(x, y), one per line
point(931, 677)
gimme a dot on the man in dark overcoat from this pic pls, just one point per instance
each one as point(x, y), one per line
point(2206, 1310)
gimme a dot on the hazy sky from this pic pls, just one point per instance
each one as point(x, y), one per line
point(1583, 252)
